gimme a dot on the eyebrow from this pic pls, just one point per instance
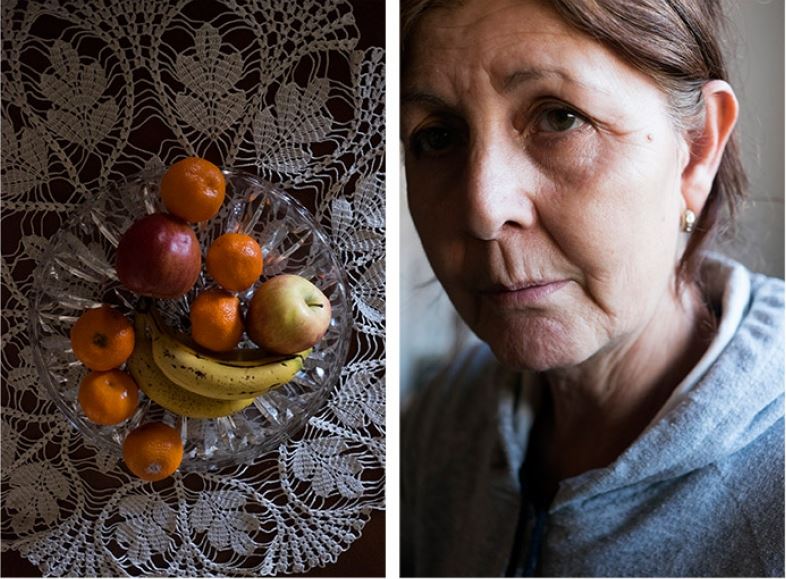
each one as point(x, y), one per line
point(423, 98)
point(529, 74)
point(511, 82)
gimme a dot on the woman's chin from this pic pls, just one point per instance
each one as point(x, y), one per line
point(538, 352)
point(534, 359)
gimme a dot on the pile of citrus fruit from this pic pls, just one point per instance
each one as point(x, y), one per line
point(204, 374)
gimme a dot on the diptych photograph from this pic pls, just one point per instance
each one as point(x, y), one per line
point(392, 288)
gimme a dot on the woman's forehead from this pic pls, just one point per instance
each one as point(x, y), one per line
point(460, 17)
point(497, 35)
point(509, 43)
point(462, 25)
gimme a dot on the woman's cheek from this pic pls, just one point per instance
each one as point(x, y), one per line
point(566, 160)
point(612, 226)
point(585, 212)
point(573, 192)
point(437, 231)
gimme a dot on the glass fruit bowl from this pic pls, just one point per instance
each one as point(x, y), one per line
point(77, 272)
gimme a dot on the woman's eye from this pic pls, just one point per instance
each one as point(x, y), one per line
point(559, 121)
point(433, 141)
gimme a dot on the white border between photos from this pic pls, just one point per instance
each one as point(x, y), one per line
point(392, 317)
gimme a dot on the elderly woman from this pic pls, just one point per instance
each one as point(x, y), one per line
point(567, 162)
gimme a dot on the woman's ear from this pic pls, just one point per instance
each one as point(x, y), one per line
point(707, 142)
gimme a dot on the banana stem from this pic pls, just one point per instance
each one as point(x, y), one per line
point(144, 305)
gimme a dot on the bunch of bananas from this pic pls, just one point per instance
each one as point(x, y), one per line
point(190, 383)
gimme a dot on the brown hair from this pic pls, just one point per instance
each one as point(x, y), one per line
point(677, 44)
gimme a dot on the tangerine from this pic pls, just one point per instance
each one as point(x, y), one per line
point(234, 260)
point(102, 338)
point(193, 189)
point(216, 320)
point(108, 397)
point(153, 451)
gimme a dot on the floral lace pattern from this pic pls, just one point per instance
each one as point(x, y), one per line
point(94, 92)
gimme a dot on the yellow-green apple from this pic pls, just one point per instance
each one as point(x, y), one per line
point(159, 256)
point(287, 314)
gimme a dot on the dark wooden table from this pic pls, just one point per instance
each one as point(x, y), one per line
point(366, 556)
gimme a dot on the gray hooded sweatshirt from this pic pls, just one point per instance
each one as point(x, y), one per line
point(699, 493)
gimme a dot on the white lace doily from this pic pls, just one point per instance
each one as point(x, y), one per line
point(96, 91)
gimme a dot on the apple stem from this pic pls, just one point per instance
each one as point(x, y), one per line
point(316, 305)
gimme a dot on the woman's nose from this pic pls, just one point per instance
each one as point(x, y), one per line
point(500, 183)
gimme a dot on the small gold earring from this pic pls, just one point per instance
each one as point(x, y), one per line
point(688, 220)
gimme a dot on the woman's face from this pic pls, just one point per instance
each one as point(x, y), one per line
point(543, 176)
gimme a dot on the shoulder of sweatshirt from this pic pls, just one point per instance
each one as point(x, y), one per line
point(455, 389)
point(754, 478)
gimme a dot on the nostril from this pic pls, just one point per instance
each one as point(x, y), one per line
point(514, 224)
point(488, 218)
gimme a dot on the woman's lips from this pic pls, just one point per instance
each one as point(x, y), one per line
point(527, 295)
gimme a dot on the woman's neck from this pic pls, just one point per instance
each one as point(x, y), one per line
point(600, 407)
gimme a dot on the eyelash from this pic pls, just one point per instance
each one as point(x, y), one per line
point(543, 113)
point(420, 146)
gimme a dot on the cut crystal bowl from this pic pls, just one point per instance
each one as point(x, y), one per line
point(77, 272)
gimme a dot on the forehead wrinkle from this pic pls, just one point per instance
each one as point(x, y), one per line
point(466, 22)
point(425, 99)
point(490, 58)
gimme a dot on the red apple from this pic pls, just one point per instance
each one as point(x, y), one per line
point(159, 256)
point(287, 314)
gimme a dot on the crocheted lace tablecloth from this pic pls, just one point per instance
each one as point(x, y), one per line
point(96, 91)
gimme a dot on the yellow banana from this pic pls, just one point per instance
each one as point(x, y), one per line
point(220, 377)
point(166, 393)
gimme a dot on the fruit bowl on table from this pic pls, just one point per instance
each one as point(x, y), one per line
point(77, 272)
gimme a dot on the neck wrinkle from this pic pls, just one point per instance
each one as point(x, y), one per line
point(600, 407)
